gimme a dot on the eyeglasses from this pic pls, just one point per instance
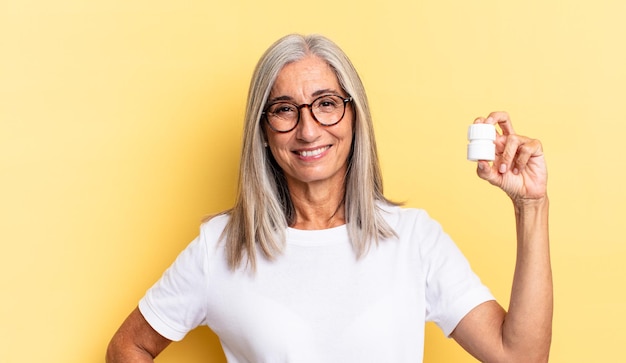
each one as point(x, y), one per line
point(327, 110)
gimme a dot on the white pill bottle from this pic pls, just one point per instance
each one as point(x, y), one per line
point(481, 142)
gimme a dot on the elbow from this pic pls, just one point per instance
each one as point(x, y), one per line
point(120, 350)
point(537, 351)
point(543, 357)
point(108, 358)
point(537, 354)
point(523, 358)
point(116, 351)
point(542, 353)
point(112, 352)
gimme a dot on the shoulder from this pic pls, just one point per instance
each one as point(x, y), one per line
point(211, 233)
point(399, 217)
point(213, 227)
point(415, 227)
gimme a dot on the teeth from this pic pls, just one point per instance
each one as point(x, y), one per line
point(313, 152)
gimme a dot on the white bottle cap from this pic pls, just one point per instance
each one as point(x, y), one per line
point(481, 146)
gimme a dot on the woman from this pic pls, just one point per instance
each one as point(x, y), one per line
point(314, 264)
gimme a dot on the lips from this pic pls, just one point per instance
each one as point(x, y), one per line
point(313, 152)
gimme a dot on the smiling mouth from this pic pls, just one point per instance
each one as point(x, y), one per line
point(309, 153)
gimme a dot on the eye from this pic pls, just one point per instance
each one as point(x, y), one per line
point(283, 109)
point(328, 103)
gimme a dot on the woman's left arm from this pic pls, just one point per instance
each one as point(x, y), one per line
point(524, 333)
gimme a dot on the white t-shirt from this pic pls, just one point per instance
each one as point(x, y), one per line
point(316, 302)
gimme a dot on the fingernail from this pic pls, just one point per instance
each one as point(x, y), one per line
point(502, 168)
point(515, 171)
point(489, 120)
point(481, 166)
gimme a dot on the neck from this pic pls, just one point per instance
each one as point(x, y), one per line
point(318, 206)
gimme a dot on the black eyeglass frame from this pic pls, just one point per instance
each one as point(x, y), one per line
point(345, 100)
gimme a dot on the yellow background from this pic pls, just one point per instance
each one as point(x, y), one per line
point(120, 129)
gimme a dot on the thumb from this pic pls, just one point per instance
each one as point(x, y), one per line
point(487, 172)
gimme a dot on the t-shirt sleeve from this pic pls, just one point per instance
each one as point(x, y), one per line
point(176, 303)
point(452, 288)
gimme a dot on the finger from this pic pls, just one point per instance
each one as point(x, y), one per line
point(503, 120)
point(487, 172)
point(479, 120)
point(509, 153)
point(528, 149)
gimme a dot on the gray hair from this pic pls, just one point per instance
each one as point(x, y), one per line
point(263, 209)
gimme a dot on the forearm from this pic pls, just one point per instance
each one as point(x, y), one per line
point(527, 329)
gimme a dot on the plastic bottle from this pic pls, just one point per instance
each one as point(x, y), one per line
point(481, 142)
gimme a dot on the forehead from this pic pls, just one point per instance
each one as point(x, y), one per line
point(304, 77)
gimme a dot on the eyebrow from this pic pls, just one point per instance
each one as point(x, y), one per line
point(314, 94)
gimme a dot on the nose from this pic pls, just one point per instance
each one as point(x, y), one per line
point(307, 130)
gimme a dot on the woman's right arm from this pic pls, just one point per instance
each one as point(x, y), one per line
point(135, 341)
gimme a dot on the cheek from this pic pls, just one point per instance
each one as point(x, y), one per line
point(278, 148)
point(277, 141)
point(349, 132)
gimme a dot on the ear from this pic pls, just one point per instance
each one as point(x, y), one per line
point(263, 131)
point(264, 137)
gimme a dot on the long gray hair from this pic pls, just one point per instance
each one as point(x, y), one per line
point(263, 209)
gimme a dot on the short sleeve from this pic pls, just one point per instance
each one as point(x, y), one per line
point(176, 303)
point(452, 288)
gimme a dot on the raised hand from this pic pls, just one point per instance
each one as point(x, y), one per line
point(519, 167)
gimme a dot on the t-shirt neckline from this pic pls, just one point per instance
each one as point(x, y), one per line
point(317, 236)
